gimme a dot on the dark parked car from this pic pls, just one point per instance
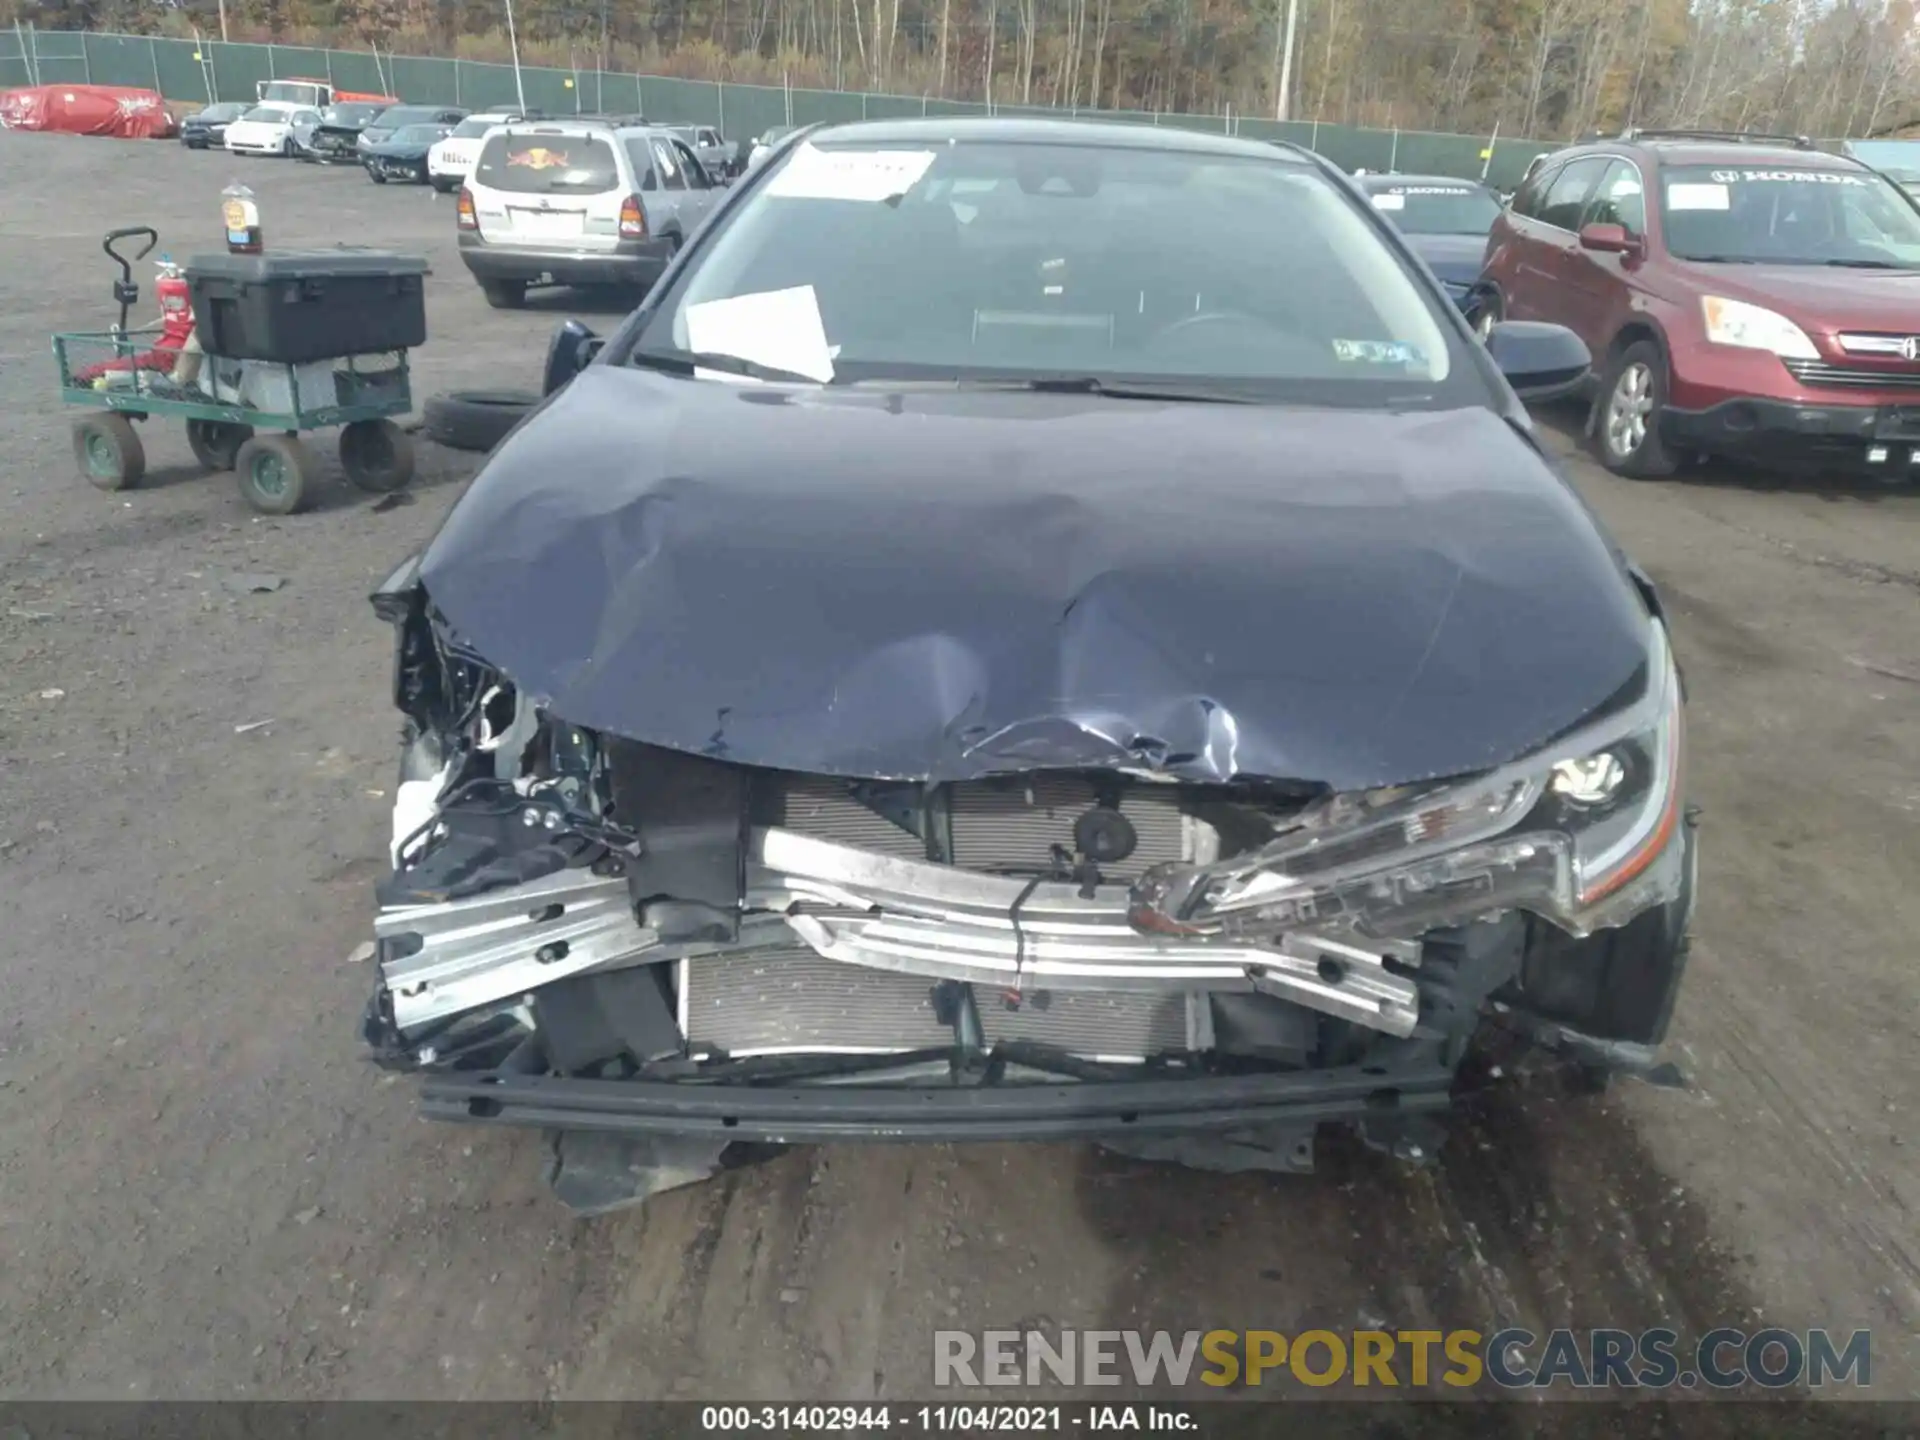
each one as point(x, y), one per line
point(1748, 296)
point(1445, 221)
point(396, 117)
point(207, 130)
point(403, 154)
point(1060, 624)
point(337, 136)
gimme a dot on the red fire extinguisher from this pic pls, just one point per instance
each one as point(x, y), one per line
point(176, 336)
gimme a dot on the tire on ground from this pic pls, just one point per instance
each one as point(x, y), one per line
point(376, 456)
point(277, 474)
point(215, 443)
point(475, 419)
point(1644, 397)
point(504, 294)
point(109, 452)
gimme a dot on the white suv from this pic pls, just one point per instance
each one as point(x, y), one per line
point(450, 161)
point(578, 202)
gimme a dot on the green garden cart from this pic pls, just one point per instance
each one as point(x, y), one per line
point(244, 415)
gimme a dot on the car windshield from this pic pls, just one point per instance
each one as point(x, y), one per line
point(475, 128)
point(268, 114)
point(547, 163)
point(1056, 262)
point(358, 113)
point(1432, 208)
point(1788, 215)
point(221, 112)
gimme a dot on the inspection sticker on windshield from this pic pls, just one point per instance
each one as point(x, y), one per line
point(1379, 352)
point(1389, 200)
point(1681, 196)
point(815, 174)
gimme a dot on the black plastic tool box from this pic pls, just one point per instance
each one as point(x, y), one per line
point(294, 306)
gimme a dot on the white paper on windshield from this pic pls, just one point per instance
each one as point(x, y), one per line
point(779, 328)
point(1698, 197)
point(815, 174)
point(1387, 200)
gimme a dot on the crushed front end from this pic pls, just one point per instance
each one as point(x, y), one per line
point(660, 955)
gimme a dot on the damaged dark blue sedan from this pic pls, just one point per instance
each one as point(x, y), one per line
point(1033, 630)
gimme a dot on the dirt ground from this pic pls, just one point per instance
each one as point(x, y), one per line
point(205, 1191)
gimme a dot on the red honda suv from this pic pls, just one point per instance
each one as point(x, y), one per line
point(1746, 296)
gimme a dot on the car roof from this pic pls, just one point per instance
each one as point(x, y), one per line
point(1387, 182)
point(1025, 130)
point(1699, 150)
point(584, 124)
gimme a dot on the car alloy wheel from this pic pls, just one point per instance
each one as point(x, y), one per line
point(1626, 421)
point(1629, 410)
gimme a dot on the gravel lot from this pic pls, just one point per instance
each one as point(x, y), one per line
point(204, 1190)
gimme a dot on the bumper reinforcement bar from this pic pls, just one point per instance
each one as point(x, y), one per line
point(924, 1114)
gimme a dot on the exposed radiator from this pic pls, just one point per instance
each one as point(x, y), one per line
point(751, 1002)
point(765, 1001)
point(824, 808)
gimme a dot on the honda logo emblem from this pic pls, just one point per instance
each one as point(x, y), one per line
point(1910, 348)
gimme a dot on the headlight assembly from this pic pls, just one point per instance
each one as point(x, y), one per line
point(1580, 832)
point(1751, 327)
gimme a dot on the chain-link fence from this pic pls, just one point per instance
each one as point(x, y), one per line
point(187, 70)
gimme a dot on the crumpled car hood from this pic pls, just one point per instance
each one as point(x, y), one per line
point(943, 584)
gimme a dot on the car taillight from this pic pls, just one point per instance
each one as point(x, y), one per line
point(463, 210)
point(633, 220)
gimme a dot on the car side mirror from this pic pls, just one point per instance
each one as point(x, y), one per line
point(1608, 240)
point(1540, 361)
point(571, 350)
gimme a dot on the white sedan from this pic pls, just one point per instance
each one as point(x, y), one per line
point(267, 129)
point(451, 160)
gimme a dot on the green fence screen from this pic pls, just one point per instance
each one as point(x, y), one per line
point(187, 70)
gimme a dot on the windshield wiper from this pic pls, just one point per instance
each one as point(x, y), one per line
point(1868, 264)
point(687, 363)
point(1114, 390)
